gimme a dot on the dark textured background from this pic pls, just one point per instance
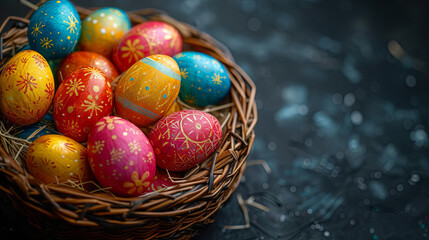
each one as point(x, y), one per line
point(343, 113)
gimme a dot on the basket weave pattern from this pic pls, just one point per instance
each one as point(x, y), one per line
point(175, 212)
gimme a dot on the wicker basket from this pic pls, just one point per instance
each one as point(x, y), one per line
point(176, 212)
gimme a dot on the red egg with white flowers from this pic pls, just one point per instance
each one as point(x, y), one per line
point(81, 100)
point(121, 156)
point(144, 40)
point(184, 139)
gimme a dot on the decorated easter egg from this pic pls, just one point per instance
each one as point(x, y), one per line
point(102, 30)
point(81, 100)
point(54, 29)
point(147, 90)
point(162, 180)
point(146, 39)
point(26, 88)
point(58, 159)
point(36, 130)
point(184, 139)
point(121, 156)
point(79, 59)
point(205, 80)
point(53, 64)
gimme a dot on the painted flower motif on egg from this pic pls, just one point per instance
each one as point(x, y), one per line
point(146, 39)
point(103, 29)
point(147, 90)
point(81, 100)
point(57, 159)
point(205, 80)
point(121, 156)
point(54, 29)
point(76, 60)
point(184, 139)
point(53, 64)
point(26, 88)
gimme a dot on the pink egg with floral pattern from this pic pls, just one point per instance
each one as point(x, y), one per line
point(184, 139)
point(146, 39)
point(121, 156)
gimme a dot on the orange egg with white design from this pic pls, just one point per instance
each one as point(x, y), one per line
point(80, 59)
point(26, 88)
point(81, 100)
point(57, 159)
point(121, 156)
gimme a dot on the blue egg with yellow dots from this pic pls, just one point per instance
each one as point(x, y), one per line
point(204, 80)
point(49, 128)
point(54, 29)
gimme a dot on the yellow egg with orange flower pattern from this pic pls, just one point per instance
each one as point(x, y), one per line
point(57, 159)
point(26, 88)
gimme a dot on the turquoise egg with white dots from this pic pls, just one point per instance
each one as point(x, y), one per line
point(205, 80)
point(54, 29)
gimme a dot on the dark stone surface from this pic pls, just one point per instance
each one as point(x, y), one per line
point(343, 113)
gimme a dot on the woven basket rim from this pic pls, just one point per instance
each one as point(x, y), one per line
point(173, 212)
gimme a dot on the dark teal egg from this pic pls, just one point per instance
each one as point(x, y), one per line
point(54, 29)
point(54, 64)
point(204, 80)
point(26, 47)
point(47, 121)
